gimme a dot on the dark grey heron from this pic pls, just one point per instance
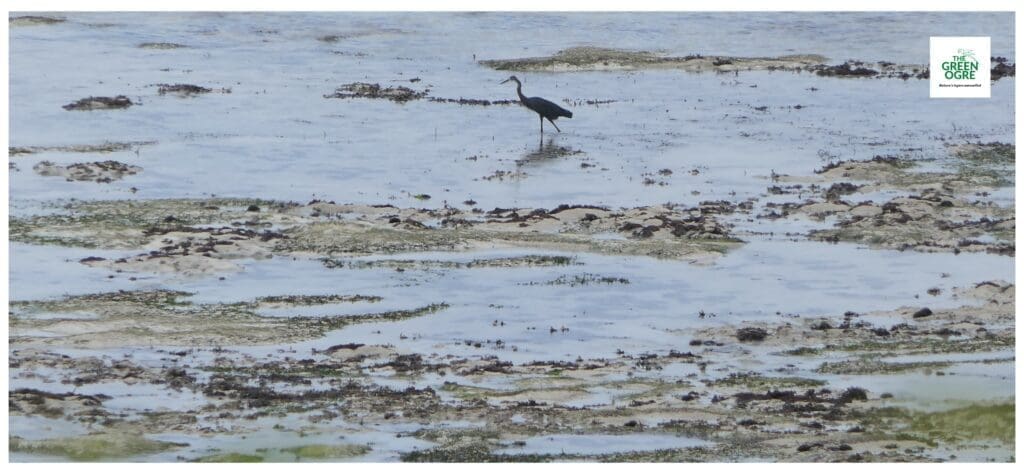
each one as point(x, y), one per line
point(546, 110)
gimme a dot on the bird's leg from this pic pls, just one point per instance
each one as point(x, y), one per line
point(541, 124)
point(552, 124)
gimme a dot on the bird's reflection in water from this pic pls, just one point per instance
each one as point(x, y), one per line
point(545, 152)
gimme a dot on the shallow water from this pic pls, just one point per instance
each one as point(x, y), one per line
point(760, 280)
point(275, 136)
point(601, 444)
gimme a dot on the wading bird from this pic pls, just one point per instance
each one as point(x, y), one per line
point(544, 108)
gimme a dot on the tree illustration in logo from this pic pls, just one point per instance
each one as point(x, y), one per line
point(967, 55)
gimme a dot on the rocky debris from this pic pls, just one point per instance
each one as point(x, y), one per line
point(941, 214)
point(100, 171)
point(191, 252)
point(100, 103)
point(928, 222)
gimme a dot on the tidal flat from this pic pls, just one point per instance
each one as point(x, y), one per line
point(291, 237)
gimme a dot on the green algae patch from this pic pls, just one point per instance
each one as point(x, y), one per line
point(327, 451)
point(871, 366)
point(804, 351)
point(986, 153)
point(972, 423)
point(985, 162)
point(94, 447)
point(969, 424)
point(231, 457)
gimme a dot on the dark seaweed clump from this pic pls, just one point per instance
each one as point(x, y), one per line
point(366, 90)
point(837, 190)
point(751, 334)
point(473, 101)
point(183, 89)
point(100, 103)
point(1002, 69)
point(845, 70)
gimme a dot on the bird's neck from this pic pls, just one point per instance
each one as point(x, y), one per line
point(519, 90)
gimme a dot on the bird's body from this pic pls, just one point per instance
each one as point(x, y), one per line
point(546, 109)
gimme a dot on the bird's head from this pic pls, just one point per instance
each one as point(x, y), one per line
point(512, 79)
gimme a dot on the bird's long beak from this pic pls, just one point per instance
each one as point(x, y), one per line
point(506, 80)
